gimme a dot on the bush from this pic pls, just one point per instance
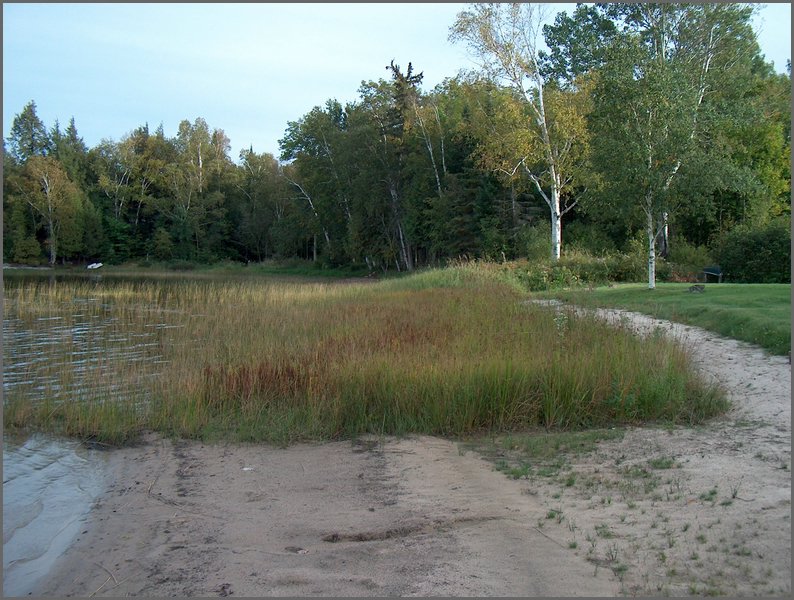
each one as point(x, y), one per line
point(162, 246)
point(687, 261)
point(28, 251)
point(181, 265)
point(757, 254)
point(682, 254)
point(534, 242)
point(588, 238)
point(585, 267)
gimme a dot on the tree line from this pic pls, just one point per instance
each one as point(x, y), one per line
point(642, 123)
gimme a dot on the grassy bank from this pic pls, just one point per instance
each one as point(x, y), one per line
point(444, 352)
point(755, 313)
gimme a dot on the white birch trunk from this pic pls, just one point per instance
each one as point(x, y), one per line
point(314, 211)
point(556, 234)
point(651, 251)
point(556, 218)
point(405, 246)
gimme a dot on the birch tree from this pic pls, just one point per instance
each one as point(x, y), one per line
point(321, 177)
point(505, 37)
point(669, 84)
point(56, 201)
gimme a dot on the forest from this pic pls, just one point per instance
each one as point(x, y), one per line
point(655, 131)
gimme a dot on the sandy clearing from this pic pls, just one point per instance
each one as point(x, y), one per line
point(420, 517)
point(370, 518)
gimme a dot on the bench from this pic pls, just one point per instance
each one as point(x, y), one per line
point(713, 271)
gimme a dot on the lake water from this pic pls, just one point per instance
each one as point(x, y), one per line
point(50, 484)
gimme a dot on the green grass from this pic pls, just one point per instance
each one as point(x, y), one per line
point(755, 313)
point(539, 452)
point(447, 352)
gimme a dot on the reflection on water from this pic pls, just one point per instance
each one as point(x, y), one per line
point(78, 353)
point(48, 488)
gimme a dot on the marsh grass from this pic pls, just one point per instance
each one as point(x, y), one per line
point(446, 352)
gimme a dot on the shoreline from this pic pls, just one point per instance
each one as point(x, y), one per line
point(421, 516)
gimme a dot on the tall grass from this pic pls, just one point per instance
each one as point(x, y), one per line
point(444, 352)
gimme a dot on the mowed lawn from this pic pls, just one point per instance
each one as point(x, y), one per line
point(755, 313)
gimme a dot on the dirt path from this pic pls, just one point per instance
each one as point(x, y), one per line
point(420, 517)
point(688, 511)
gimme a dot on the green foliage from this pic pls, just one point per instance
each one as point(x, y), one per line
point(402, 178)
point(576, 269)
point(757, 254)
point(181, 265)
point(28, 136)
point(664, 104)
point(590, 238)
point(534, 243)
point(687, 260)
point(162, 246)
point(27, 251)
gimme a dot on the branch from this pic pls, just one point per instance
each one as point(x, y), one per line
point(536, 181)
point(569, 207)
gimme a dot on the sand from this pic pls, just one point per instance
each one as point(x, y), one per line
point(422, 516)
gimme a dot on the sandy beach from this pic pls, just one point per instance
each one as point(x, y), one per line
point(424, 516)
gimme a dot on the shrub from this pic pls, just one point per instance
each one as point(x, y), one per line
point(181, 265)
point(28, 251)
point(757, 254)
point(687, 261)
point(627, 267)
point(586, 268)
point(588, 238)
point(162, 246)
point(682, 253)
point(534, 242)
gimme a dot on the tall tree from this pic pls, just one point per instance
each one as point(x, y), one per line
point(671, 82)
point(317, 147)
point(56, 203)
point(194, 207)
point(28, 136)
point(70, 149)
point(506, 38)
point(577, 44)
point(393, 106)
point(262, 204)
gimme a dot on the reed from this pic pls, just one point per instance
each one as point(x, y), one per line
point(444, 352)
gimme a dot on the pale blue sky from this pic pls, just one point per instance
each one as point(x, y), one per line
point(245, 68)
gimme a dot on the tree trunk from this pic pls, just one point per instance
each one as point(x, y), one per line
point(52, 242)
point(405, 249)
point(556, 220)
point(664, 244)
point(405, 246)
point(651, 252)
point(514, 205)
point(556, 234)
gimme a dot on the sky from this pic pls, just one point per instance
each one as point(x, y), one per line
point(248, 69)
